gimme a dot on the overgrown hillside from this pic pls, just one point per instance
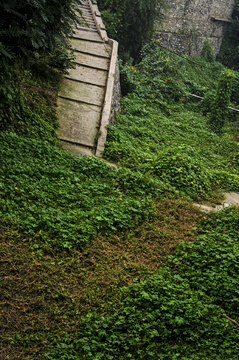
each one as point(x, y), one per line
point(85, 246)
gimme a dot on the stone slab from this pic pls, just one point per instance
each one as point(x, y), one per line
point(87, 29)
point(87, 22)
point(231, 198)
point(82, 92)
point(100, 22)
point(87, 16)
point(106, 111)
point(92, 48)
point(79, 123)
point(85, 74)
point(82, 34)
point(93, 61)
point(77, 149)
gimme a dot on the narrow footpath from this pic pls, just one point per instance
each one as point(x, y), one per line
point(82, 95)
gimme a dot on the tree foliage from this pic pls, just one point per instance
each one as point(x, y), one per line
point(131, 22)
point(221, 101)
point(229, 53)
point(34, 25)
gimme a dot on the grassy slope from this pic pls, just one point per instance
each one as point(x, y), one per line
point(50, 200)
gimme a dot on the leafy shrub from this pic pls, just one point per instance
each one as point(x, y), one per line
point(207, 52)
point(29, 26)
point(27, 106)
point(182, 171)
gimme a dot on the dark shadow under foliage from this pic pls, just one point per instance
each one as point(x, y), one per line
point(229, 52)
point(131, 22)
point(29, 26)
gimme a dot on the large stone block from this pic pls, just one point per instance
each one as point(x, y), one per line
point(77, 149)
point(92, 61)
point(88, 75)
point(79, 123)
point(84, 93)
point(93, 48)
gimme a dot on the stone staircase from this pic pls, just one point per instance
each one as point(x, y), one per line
point(82, 99)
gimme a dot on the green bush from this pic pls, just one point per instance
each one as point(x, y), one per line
point(34, 25)
point(219, 105)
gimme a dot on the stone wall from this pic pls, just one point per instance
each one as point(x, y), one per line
point(115, 105)
point(189, 23)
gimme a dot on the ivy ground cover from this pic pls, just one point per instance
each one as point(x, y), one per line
point(78, 221)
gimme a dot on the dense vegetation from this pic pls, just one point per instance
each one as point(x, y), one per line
point(177, 313)
point(29, 28)
point(131, 22)
point(106, 263)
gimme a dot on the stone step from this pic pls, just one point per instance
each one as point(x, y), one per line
point(77, 149)
point(85, 93)
point(87, 24)
point(87, 20)
point(79, 123)
point(88, 27)
point(92, 61)
point(84, 28)
point(88, 75)
point(87, 14)
point(91, 48)
point(85, 35)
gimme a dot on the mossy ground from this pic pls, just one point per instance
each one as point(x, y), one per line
point(45, 292)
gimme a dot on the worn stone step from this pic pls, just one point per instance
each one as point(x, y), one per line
point(87, 24)
point(92, 61)
point(84, 12)
point(79, 123)
point(87, 20)
point(82, 34)
point(91, 48)
point(84, 28)
point(88, 75)
point(87, 14)
point(77, 149)
point(84, 93)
